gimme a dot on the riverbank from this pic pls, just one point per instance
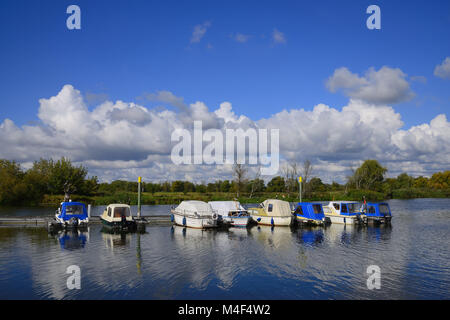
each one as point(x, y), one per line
point(158, 198)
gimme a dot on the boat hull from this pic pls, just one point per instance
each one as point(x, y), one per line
point(236, 221)
point(128, 225)
point(191, 222)
point(341, 219)
point(379, 220)
point(307, 221)
point(272, 221)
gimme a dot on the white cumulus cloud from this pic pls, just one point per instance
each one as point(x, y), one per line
point(121, 140)
point(385, 86)
point(443, 70)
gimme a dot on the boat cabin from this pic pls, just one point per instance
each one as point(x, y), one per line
point(378, 209)
point(115, 212)
point(307, 210)
point(69, 210)
point(273, 208)
point(194, 208)
point(228, 208)
point(348, 208)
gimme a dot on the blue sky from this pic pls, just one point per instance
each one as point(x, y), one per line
point(128, 49)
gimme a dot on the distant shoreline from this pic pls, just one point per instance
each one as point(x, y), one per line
point(169, 198)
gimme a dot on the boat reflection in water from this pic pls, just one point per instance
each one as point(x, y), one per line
point(379, 232)
point(114, 239)
point(272, 237)
point(338, 234)
point(72, 239)
point(310, 235)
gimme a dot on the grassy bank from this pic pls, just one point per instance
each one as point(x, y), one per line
point(177, 197)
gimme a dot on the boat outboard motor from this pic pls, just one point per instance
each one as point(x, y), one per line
point(124, 221)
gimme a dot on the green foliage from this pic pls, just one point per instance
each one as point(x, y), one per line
point(440, 180)
point(45, 182)
point(369, 176)
point(277, 184)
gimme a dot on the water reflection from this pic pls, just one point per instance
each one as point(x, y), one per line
point(115, 239)
point(272, 237)
point(310, 235)
point(73, 239)
point(239, 263)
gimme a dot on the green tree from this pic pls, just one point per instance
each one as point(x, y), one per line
point(369, 176)
point(225, 186)
point(316, 184)
point(277, 184)
point(440, 180)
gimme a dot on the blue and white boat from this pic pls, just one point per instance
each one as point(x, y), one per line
point(378, 213)
point(71, 215)
point(231, 212)
point(310, 213)
point(345, 212)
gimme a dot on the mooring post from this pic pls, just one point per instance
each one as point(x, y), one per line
point(300, 188)
point(89, 211)
point(139, 197)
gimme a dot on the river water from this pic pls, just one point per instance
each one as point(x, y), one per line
point(413, 256)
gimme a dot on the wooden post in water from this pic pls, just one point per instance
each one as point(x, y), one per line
point(139, 197)
point(89, 211)
point(300, 188)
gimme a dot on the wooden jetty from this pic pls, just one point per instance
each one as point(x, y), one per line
point(43, 221)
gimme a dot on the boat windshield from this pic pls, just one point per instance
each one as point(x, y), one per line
point(121, 211)
point(353, 207)
point(384, 209)
point(299, 210)
point(237, 213)
point(317, 208)
point(74, 209)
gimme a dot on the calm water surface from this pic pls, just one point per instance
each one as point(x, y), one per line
point(258, 263)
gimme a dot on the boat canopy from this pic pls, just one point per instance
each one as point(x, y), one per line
point(224, 207)
point(277, 208)
point(193, 206)
point(309, 210)
point(378, 209)
point(118, 210)
point(71, 209)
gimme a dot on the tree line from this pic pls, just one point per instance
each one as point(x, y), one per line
point(44, 177)
point(49, 177)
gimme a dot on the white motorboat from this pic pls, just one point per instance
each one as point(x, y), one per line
point(272, 212)
point(231, 212)
point(345, 212)
point(194, 214)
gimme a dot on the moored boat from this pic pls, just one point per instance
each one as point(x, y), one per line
point(310, 213)
point(272, 212)
point(378, 213)
point(70, 215)
point(194, 214)
point(118, 216)
point(345, 212)
point(231, 212)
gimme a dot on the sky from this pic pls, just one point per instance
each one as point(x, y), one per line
point(109, 95)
